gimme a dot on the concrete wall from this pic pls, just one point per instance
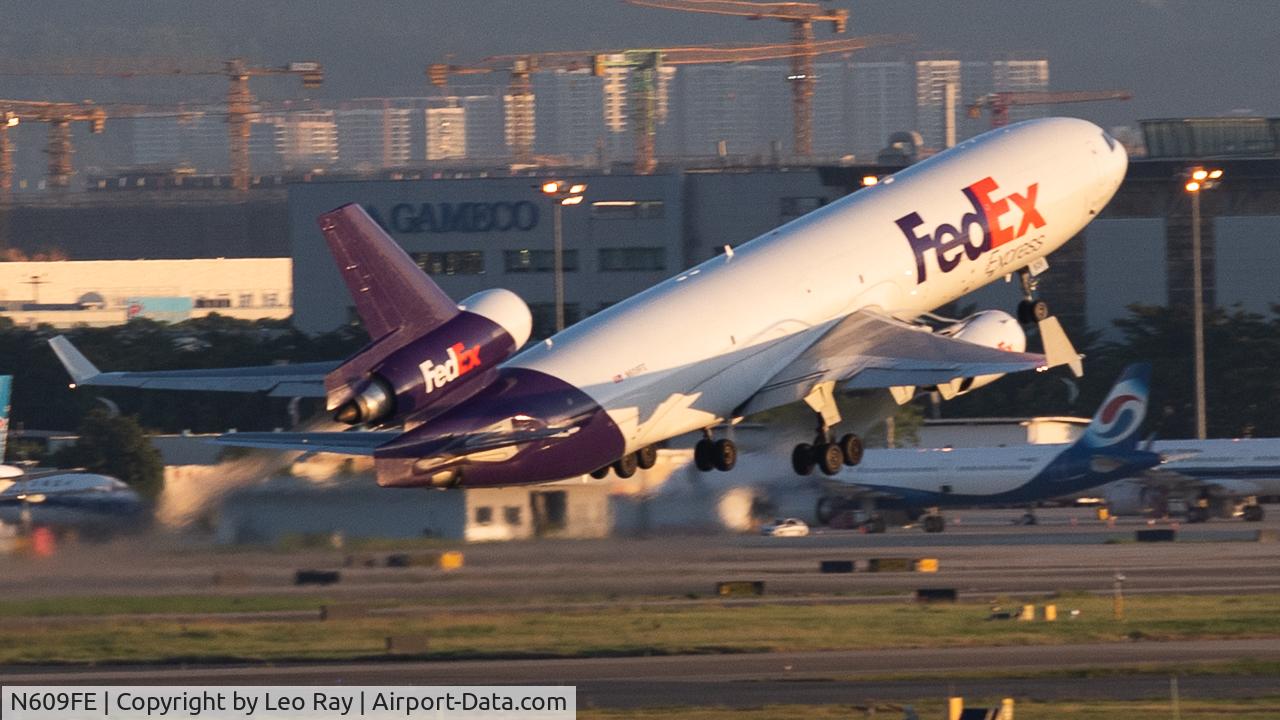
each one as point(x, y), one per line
point(127, 225)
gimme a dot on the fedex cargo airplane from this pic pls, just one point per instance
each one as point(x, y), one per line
point(827, 304)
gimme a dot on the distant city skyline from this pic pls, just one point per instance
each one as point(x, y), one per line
point(1149, 47)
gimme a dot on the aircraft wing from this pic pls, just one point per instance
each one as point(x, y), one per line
point(1172, 481)
point(866, 351)
point(355, 442)
point(344, 443)
point(300, 380)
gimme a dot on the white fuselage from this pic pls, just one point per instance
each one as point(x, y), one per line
point(1236, 468)
point(684, 354)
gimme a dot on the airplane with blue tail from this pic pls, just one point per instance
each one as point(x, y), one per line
point(924, 481)
point(60, 498)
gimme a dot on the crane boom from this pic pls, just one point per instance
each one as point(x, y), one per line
point(789, 11)
point(998, 103)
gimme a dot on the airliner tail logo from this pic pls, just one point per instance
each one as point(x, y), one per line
point(460, 361)
point(1121, 414)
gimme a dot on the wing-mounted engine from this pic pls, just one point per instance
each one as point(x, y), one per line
point(1129, 497)
point(989, 328)
point(416, 380)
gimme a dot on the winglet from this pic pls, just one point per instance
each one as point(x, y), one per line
point(82, 371)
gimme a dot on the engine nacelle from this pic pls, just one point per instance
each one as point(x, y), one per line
point(1128, 497)
point(989, 328)
point(444, 366)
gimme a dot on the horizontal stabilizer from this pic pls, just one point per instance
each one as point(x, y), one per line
point(298, 380)
point(345, 443)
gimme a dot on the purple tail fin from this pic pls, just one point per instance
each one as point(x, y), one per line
point(390, 291)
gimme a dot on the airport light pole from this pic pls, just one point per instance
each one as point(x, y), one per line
point(1197, 180)
point(561, 193)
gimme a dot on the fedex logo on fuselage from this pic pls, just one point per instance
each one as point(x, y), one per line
point(461, 360)
point(991, 215)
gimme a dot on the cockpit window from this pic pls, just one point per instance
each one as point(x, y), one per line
point(1111, 142)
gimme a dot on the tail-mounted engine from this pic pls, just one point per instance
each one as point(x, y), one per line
point(434, 372)
point(989, 328)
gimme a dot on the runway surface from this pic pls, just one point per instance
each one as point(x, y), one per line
point(984, 555)
point(745, 680)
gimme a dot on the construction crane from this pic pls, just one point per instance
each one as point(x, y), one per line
point(999, 103)
point(802, 16)
point(240, 101)
point(58, 116)
point(644, 66)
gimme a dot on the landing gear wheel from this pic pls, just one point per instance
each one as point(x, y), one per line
point(875, 524)
point(1031, 312)
point(703, 454)
point(850, 449)
point(724, 455)
point(934, 524)
point(802, 459)
point(626, 466)
point(600, 472)
point(829, 458)
point(647, 457)
point(1253, 513)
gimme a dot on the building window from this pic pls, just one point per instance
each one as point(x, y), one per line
point(544, 317)
point(512, 514)
point(797, 206)
point(246, 299)
point(484, 515)
point(451, 262)
point(270, 299)
point(627, 209)
point(525, 261)
point(632, 259)
point(217, 302)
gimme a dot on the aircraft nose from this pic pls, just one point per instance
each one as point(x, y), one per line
point(1111, 163)
point(1113, 160)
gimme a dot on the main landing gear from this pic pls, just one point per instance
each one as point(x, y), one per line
point(711, 454)
point(626, 466)
point(933, 522)
point(826, 452)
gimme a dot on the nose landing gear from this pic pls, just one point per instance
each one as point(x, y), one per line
point(1058, 350)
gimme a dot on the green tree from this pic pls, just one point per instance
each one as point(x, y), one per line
point(116, 446)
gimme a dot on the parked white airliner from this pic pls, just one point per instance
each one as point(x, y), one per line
point(1202, 479)
point(824, 305)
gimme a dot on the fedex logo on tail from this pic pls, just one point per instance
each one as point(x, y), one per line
point(999, 218)
point(461, 360)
